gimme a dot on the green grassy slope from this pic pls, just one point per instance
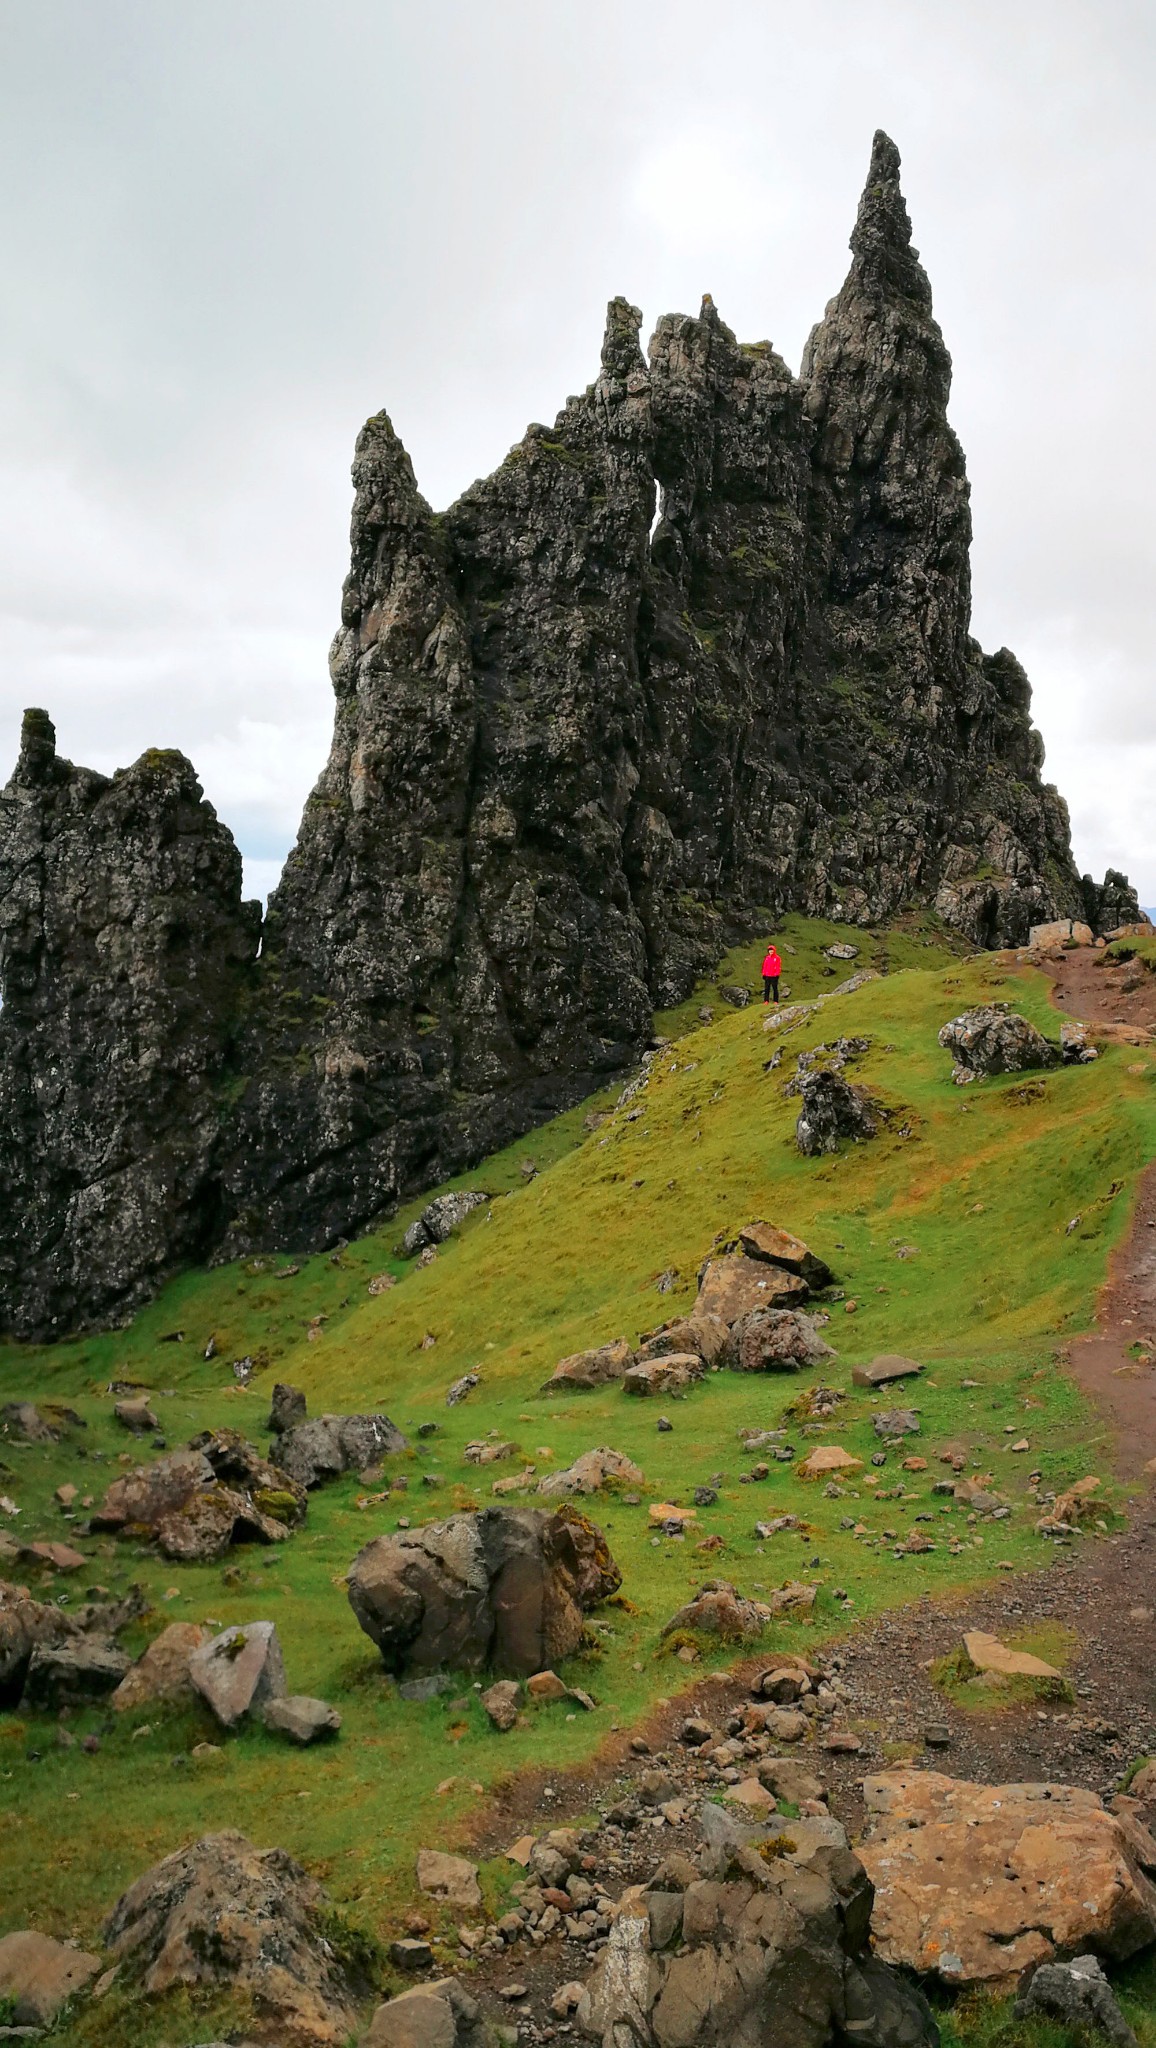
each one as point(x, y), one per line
point(952, 1242)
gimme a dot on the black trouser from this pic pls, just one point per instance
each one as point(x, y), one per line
point(770, 987)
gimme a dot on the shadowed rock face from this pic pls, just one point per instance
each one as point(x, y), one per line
point(578, 750)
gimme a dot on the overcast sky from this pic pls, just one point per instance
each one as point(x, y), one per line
point(231, 230)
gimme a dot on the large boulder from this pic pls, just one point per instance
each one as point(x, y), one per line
point(769, 1953)
point(25, 1625)
point(38, 1976)
point(733, 1285)
point(583, 1370)
point(590, 1472)
point(991, 1039)
point(832, 1109)
point(775, 1340)
point(976, 1882)
point(329, 1445)
point(221, 1915)
point(507, 1588)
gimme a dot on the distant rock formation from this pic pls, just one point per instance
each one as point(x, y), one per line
point(578, 751)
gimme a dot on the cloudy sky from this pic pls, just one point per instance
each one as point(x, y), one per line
point(229, 231)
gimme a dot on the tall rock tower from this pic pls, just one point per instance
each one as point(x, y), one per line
point(697, 654)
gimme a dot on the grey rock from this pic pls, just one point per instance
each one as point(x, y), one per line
point(442, 1216)
point(418, 1690)
point(240, 1671)
point(271, 1944)
point(437, 2015)
point(833, 1109)
point(775, 1340)
point(1078, 1995)
point(72, 1674)
point(991, 1039)
point(287, 1409)
point(302, 1719)
point(897, 1422)
point(328, 1445)
point(502, 1702)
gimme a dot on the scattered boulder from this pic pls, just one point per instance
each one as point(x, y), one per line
point(583, 1370)
point(450, 1878)
point(161, 1673)
point(733, 1285)
point(460, 1388)
point(437, 2015)
point(440, 1218)
point(25, 1624)
point(324, 1448)
point(897, 1422)
point(778, 1247)
point(1078, 1503)
point(826, 1460)
point(590, 1473)
point(136, 1415)
point(881, 1371)
point(983, 1652)
point(1078, 1995)
point(239, 1671)
point(703, 1336)
point(72, 1674)
point(38, 1976)
point(1075, 1047)
point(790, 1781)
point(222, 1914)
point(198, 1502)
point(719, 1609)
point(1062, 931)
point(502, 1702)
point(61, 1557)
point(992, 1039)
point(488, 1451)
point(976, 1882)
point(288, 1407)
point(302, 1719)
point(670, 1373)
point(772, 1949)
point(775, 1340)
point(832, 1109)
point(506, 1587)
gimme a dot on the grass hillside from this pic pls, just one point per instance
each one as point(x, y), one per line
point(949, 1234)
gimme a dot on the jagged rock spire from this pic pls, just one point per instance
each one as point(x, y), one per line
point(881, 238)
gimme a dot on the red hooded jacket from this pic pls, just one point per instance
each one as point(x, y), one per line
point(772, 964)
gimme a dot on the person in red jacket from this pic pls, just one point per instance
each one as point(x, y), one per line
point(772, 968)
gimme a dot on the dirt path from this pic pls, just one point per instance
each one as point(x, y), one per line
point(1116, 1365)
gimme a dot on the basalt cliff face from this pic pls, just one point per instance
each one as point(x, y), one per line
point(579, 748)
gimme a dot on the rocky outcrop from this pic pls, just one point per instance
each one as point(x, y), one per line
point(506, 1589)
point(222, 1914)
point(1037, 1871)
point(578, 749)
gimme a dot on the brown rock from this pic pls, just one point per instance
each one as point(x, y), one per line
point(703, 1336)
point(986, 1653)
point(546, 1685)
point(882, 1370)
point(721, 1610)
point(501, 1702)
point(661, 1511)
point(734, 1285)
point(827, 1459)
point(66, 1494)
point(668, 1374)
point(976, 1882)
point(60, 1556)
point(39, 1976)
point(162, 1672)
point(583, 1370)
point(136, 1415)
point(450, 1878)
point(779, 1248)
